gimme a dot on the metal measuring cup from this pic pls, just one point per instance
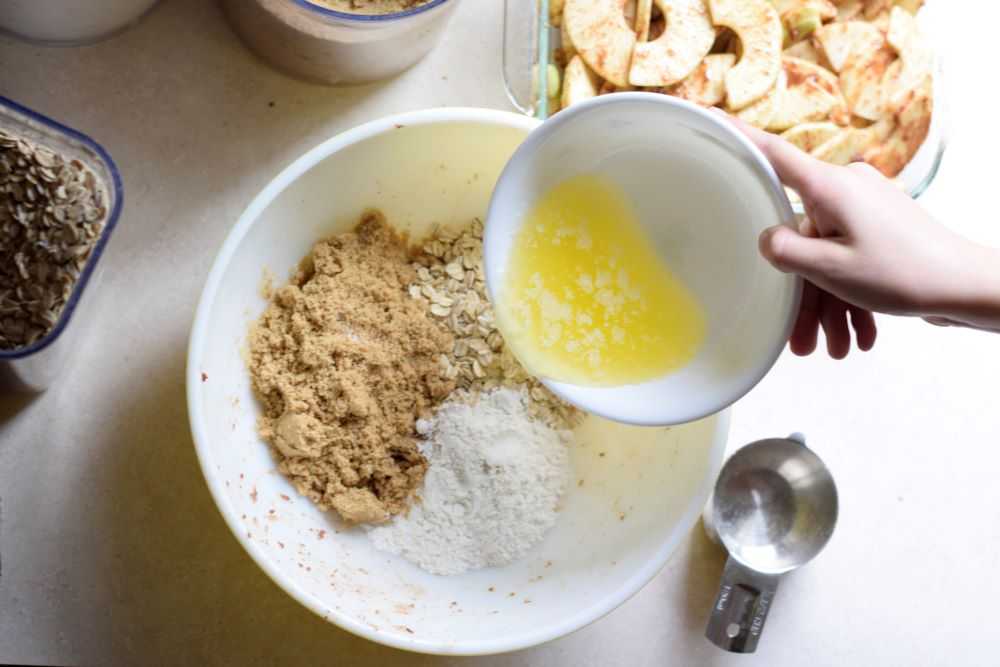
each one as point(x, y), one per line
point(774, 509)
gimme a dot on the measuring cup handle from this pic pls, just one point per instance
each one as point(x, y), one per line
point(738, 616)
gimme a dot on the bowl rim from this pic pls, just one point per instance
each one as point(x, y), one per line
point(745, 151)
point(193, 382)
point(326, 12)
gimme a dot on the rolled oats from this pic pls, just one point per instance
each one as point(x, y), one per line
point(52, 211)
point(451, 282)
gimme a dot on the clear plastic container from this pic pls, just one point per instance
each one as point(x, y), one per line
point(332, 47)
point(34, 368)
point(69, 22)
point(530, 42)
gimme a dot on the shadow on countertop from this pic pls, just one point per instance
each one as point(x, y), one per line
point(12, 404)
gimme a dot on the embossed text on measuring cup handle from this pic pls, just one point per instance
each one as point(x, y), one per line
point(741, 608)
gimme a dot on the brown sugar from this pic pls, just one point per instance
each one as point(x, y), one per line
point(343, 362)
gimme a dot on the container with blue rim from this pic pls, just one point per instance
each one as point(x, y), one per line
point(311, 41)
point(36, 366)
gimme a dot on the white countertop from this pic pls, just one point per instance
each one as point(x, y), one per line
point(113, 553)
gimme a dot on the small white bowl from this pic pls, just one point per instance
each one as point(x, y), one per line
point(704, 194)
point(642, 488)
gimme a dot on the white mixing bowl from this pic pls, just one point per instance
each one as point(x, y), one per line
point(639, 490)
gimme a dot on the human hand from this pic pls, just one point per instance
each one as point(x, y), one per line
point(867, 247)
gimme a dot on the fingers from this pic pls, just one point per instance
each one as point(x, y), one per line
point(865, 330)
point(806, 331)
point(822, 309)
point(792, 252)
point(833, 318)
point(795, 168)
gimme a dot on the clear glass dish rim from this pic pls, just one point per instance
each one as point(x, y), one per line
point(543, 54)
point(368, 18)
point(116, 190)
point(940, 108)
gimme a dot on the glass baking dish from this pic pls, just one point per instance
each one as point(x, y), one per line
point(530, 43)
point(35, 367)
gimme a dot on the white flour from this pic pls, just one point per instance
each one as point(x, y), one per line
point(491, 491)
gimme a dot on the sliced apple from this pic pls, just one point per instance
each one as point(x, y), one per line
point(601, 35)
point(803, 17)
point(758, 27)
point(686, 39)
point(566, 42)
point(811, 95)
point(804, 50)
point(579, 83)
point(643, 21)
point(852, 143)
point(760, 113)
point(841, 41)
point(810, 136)
point(875, 8)
point(826, 8)
point(607, 88)
point(556, 8)
point(706, 85)
point(916, 55)
point(912, 6)
point(862, 83)
point(849, 10)
point(913, 124)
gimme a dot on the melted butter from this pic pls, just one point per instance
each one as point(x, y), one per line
point(586, 299)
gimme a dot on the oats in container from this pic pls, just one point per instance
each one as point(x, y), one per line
point(60, 196)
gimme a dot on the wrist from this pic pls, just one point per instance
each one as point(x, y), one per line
point(972, 297)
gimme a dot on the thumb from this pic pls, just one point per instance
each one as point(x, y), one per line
point(791, 252)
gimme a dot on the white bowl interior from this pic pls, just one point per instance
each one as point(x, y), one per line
point(703, 194)
point(637, 491)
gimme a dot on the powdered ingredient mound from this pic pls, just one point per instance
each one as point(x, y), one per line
point(344, 362)
point(493, 488)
